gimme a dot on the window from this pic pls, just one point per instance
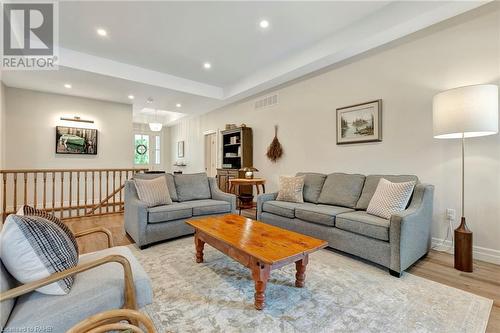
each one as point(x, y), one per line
point(157, 149)
point(141, 144)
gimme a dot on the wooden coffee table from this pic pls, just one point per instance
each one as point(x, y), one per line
point(259, 246)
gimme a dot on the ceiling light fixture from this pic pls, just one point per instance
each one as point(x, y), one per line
point(102, 32)
point(149, 100)
point(207, 65)
point(131, 97)
point(264, 24)
point(178, 105)
point(67, 86)
point(155, 127)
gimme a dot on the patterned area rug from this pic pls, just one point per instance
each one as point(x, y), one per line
point(342, 294)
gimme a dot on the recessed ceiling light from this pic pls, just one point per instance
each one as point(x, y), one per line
point(207, 65)
point(178, 105)
point(67, 85)
point(264, 24)
point(131, 97)
point(102, 32)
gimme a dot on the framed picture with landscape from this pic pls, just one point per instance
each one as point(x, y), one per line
point(360, 123)
point(74, 140)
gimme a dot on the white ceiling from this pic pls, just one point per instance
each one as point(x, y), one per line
point(157, 48)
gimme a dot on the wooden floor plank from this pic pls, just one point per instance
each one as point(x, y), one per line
point(437, 266)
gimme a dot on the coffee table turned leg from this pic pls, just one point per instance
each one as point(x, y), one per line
point(199, 244)
point(260, 274)
point(300, 276)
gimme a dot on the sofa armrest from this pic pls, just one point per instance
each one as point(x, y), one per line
point(410, 230)
point(135, 215)
point(129, 291)
point(261, 198)
point(217, 194)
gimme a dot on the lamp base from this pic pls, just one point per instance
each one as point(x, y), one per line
point(463, 247)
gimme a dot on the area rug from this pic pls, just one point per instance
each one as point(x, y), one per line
point(342, 294)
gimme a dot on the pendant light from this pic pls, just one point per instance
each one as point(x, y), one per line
point(154, 126)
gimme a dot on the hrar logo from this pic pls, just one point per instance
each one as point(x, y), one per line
point(29, 36)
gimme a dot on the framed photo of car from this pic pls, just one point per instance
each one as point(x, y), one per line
point(74, 140)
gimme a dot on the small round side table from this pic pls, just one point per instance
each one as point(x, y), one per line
point(245, 201)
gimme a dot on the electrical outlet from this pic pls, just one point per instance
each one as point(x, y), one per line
point(451, 214)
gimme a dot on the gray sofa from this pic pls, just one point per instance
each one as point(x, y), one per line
point(193, 195)
point(334, 210)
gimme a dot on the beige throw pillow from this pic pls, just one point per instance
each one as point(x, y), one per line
point(390, 198)
point(291, 189)
point(153, 192)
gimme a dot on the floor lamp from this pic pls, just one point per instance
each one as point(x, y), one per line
point(462, 113)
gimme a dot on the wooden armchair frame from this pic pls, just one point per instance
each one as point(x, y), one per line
point(111, 321)
point(94, 231)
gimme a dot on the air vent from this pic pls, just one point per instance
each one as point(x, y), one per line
point(266, 102)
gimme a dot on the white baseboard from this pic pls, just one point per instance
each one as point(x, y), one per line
point(478, 252)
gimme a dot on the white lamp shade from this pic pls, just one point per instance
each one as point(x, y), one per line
point(155, 127)
point(469, 111)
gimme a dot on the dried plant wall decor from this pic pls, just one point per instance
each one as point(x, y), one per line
point(275, 150)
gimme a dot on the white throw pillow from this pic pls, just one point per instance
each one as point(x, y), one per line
point(153, 192)
point(390, 198)
point(33, 248)
point(291, 189)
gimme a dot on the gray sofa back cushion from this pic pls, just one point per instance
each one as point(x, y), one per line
point(192, 186)
point(341, 189)
point(371, 184)
point(313, 183)
point(170, 182)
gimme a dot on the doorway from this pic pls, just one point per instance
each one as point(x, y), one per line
point(211, 154)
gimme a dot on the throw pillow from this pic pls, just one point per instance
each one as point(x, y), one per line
point(193, 186)
point(390, 198)
point(26, 210)
point(33, 248)
point(291, 189)
point(153, 192)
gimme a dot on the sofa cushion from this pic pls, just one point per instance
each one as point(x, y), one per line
point(192, 186)
point(362, 223)
point(341, 189)
point(291, 189)
point(33, 248)
point(208, 206)
point(321, 214)
point(170, 182)
point(94, 291)
point(153, 192)
point(281, 208)
point(171, 212)
point(371, 184)
point(390, 198)
point(313, 183)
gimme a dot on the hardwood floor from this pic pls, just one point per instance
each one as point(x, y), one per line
point(437, 266)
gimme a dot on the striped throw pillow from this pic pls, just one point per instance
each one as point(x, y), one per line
point(153, 192)
point(390, 198)
point(31, 211)
point(33, 248)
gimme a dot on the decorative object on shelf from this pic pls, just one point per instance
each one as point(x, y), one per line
point(243, 125)
point(460, 113)
point(275, 150)
point(360, 123)
point(227, 166)
point(180, 149)
point(74, 140)
point(230, 126)
point(141, 149)
point(180, 164)
point(77, 119)
point(249, 172)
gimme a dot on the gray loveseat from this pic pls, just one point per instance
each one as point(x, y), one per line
point(193, 195)
point(334, 210)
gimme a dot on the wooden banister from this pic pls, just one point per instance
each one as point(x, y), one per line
point(67, 192)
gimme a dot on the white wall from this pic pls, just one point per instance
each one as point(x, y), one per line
point(405, 75)
point(32, 116)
